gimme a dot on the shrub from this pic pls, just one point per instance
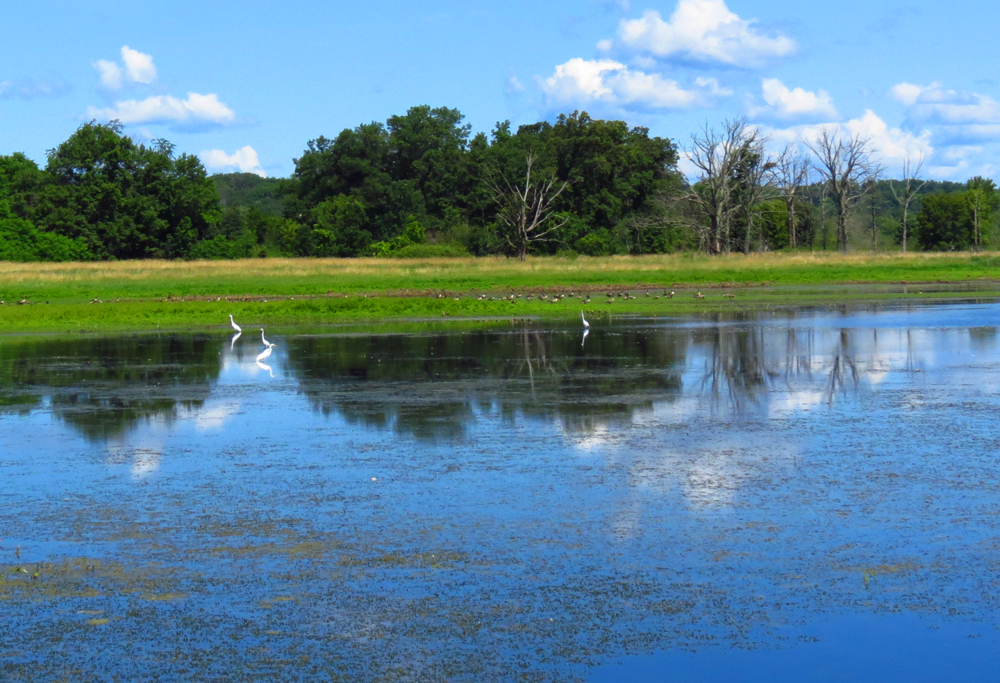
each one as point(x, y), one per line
point(598, 243)
point(220, 247)
point(22, 241)
point(431, 251)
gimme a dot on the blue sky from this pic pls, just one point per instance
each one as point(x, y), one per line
point(247, 84)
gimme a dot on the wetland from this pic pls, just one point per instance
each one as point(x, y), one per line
point(803, 494)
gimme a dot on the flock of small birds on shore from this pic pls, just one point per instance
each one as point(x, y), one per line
point(585, 298)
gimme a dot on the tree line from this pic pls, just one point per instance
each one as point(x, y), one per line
point(422, 184)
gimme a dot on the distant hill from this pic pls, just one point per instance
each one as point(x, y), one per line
point(246, 190)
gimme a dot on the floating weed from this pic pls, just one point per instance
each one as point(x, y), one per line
point(163, 597)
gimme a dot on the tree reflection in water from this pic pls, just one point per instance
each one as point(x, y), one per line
point(434, 386)
point(104, 386)
point(437, 384)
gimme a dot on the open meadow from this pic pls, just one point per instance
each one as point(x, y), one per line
point(140, 295)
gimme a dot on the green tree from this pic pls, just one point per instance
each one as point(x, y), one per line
point(428, 147)
point(339, 228)
point(944, 222)
point(126, 200)
point(21, 183)
point(983, 199)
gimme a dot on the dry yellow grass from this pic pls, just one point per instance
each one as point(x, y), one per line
point(472, 268)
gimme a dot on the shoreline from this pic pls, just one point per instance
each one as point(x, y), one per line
point(161, 295)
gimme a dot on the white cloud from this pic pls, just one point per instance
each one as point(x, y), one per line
point(111, 74)
point(196, 110)
point(244, 160)
point(138, 66)
point(957, 118)
point(581, 81)
point(891, 146)
point(704, 30)
point(785, 103)
point(907, 93)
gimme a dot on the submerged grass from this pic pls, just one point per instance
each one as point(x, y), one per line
point(172, 294)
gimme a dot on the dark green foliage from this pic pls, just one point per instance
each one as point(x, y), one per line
point(773, 225)
point(118, 199)
point(248, 190)
point(126, 200)
point(431, 251)
point(423, 183)
point(944, 222)
point(424, 165)
point(339, 228)
point(22, 241)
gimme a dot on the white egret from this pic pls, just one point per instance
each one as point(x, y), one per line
point(266, 352)
point(266, 342)
point(239, 331)
point(586, 325)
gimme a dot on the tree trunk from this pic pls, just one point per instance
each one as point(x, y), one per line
point(841, 230)
point(792, 239)
point(905, 212)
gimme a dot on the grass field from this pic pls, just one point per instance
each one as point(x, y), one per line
point(176, 294)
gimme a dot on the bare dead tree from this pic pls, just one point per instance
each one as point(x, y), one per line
point(908, 190)
point(844, 164)
point(753, 182)
point(526, 210)
point(791, 174)
point(716, 154)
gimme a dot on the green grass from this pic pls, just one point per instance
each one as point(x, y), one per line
point(170, 295)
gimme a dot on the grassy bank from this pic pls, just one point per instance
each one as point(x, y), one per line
point(171, 294)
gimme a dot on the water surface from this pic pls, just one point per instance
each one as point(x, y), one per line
point(798, 496)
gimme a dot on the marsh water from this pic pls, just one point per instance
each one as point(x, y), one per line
point(798, 495)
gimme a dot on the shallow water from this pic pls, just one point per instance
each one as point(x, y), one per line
point(797, 496)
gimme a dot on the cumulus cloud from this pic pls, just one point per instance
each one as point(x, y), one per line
point(139, 68)
point(908, 93)
point(31, 88)
point(110, 74)
point(703, 31)
point(244, 160)
point(193, 112)
point(956, 117)
point(785, 103)
point(138, 65)
point(892, 146)
point(582, 81)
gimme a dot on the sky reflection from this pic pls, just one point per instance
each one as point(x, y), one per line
point(503, 494)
